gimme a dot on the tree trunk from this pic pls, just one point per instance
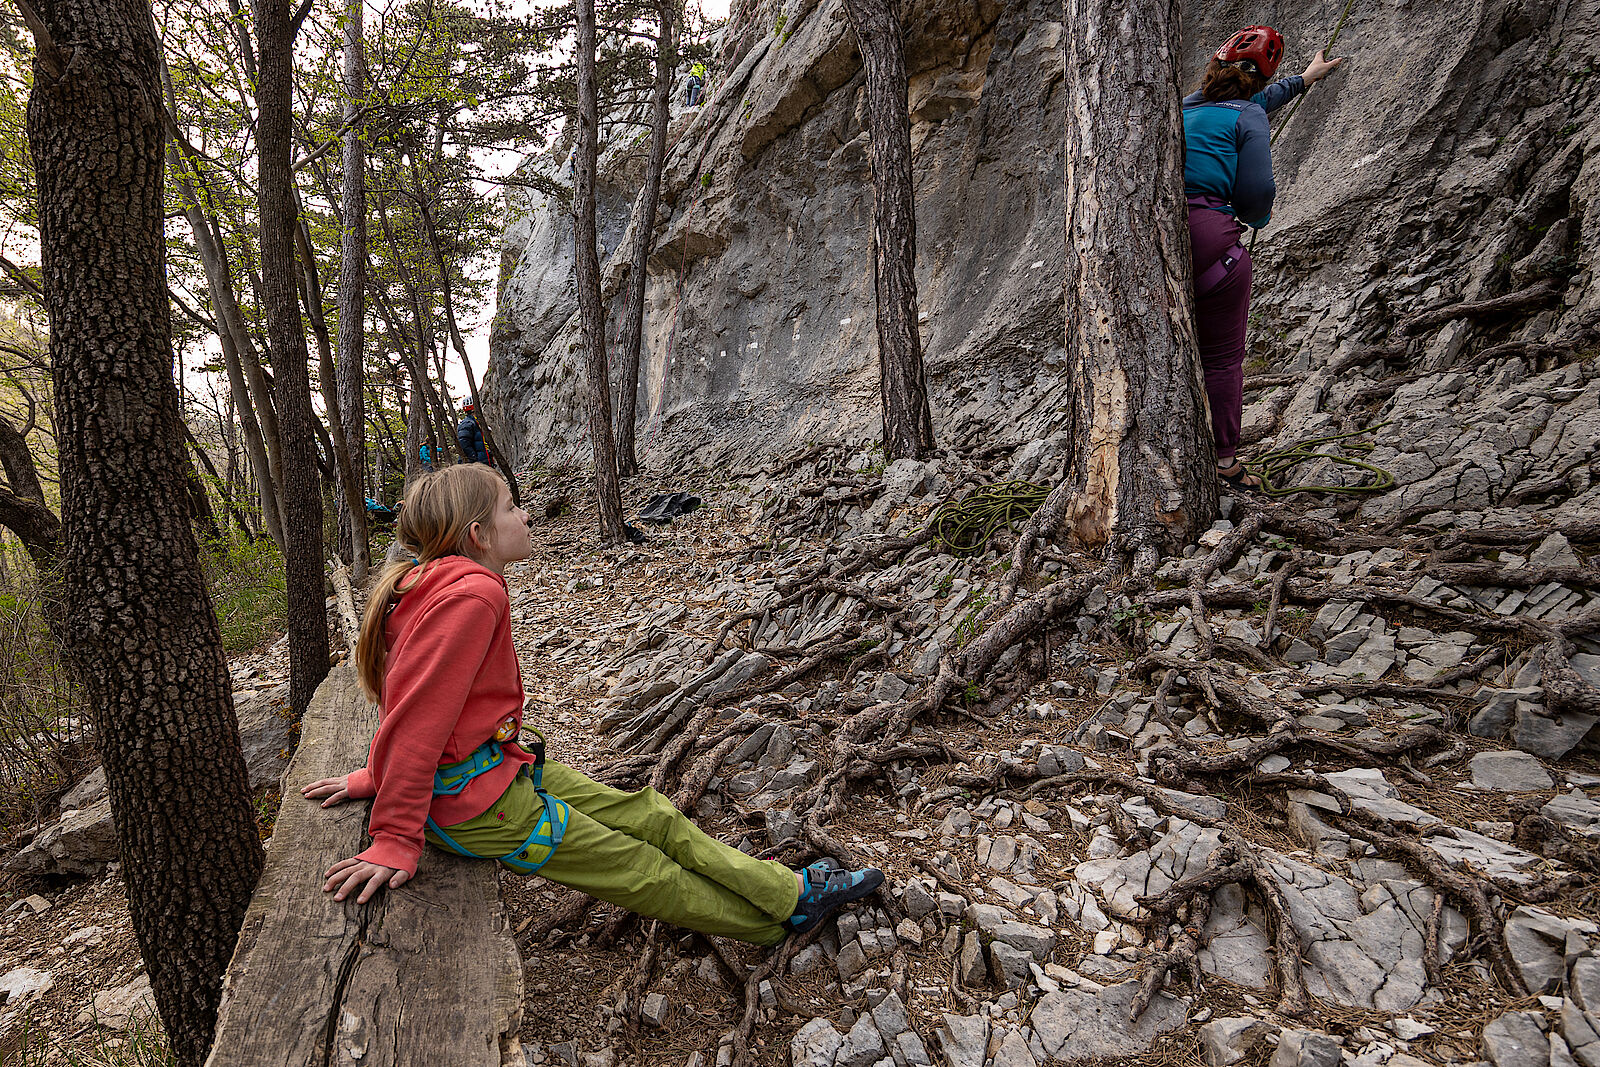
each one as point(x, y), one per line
point(643, 238)
point(23, 509)
point(907, 420)
point(352, 282)
point(432, 235)
point(442, 423)
point(591, 311)
point(302, 497)
point(414, 432)
point(347, 494)
point(225, 484)
point(1143, 457)
point(199, 503)
point(230, 332)
point(263, 399)
point(138, 626)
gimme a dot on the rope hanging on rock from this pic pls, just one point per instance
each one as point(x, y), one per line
point(1274, 466)
point(965, 526)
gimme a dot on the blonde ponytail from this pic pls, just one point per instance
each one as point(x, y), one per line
point(435, 521)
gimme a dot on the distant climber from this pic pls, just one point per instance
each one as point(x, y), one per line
point(696, 85)
point(425, 454)
point(1227, 180)
point(470, 437)
point(380, 515)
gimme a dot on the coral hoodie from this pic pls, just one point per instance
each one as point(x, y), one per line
point(450, 683)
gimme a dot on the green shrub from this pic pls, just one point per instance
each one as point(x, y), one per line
point(248, 593)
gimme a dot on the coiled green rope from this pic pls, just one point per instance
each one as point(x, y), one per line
point(1275, 465)
point(965, 526)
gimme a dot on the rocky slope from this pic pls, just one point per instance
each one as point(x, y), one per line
point(1451, 160)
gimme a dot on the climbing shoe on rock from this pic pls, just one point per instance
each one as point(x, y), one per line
point(826, 890)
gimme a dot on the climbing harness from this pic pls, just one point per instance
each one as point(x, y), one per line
point(1216, 273)
point(1275, 465)
point(451, 778)
point(965, 526)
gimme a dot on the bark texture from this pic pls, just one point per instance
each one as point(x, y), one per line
point(351, 371)
point(644, 236)
point(907, 420)
point(1143, 462)
point(591, 310)
point(136, 624)
point(302, 496)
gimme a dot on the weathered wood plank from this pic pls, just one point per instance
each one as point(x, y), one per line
point(423, 974)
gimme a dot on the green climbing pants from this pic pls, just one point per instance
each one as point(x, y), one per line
point(639, 852)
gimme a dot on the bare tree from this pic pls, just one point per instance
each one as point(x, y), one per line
point(591, 311)
point(643, 237)
point(907, 421)
point(1143, 461)
point(302, 495)
point(136, 622)
point(353, 286)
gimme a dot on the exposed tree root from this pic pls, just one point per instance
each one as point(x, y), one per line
point(1533, 295)
point(1464, 887)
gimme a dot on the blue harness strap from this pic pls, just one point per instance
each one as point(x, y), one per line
point(450, 779)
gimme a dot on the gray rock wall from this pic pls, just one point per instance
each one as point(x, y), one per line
point(1453, 158)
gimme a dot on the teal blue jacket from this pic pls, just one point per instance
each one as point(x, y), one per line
point(1228, 155)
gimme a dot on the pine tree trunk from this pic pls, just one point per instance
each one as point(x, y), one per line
point(643, 238)
point(138, 626)
point(591, 311)
point(302, 496)
point(351, 371)
point(1143, 455)
point(907, 420)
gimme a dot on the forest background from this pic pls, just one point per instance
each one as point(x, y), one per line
point(451, 99)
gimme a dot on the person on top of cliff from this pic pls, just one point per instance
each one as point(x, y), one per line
point(1227, 178)
point(469, 435)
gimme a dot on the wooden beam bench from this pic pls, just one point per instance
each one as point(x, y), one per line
point(425, 974)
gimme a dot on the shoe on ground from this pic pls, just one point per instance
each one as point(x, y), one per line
point(826, 891)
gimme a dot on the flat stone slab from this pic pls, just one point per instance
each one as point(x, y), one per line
point(1509, 772)
point(1077, 1024)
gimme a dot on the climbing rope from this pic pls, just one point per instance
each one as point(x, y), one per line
point(965, 526)
point(1337, 29)
point(1273, 467)
point(1332, 40)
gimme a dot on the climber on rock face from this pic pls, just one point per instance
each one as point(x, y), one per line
point(1228, 183)
point(695, 86)
point(469, 435)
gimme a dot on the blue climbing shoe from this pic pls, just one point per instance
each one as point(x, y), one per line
point(827, 890)
point(818, 869)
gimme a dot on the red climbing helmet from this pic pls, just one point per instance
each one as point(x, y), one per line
point(1261, 45)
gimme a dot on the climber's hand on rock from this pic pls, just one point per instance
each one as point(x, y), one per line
point(1320, 67)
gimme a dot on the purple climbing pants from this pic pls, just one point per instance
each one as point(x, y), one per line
point(1220, 317)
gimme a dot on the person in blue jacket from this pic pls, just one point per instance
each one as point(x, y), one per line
point(1228, 183)
point(470, 436)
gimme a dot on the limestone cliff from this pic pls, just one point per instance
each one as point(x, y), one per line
point(1452, 159)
